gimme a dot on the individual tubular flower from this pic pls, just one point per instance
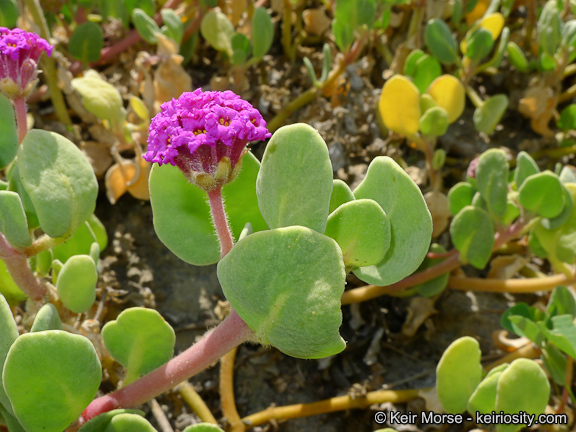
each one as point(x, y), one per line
point(205, 135)
point(19, 54)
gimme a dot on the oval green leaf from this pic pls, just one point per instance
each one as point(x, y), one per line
point(203, 427)
point(126, 422)
point(542, 194)
point(483, 399)
point(76, 283)
point(262, 32)
point(8, 132)
point(13, 222)
point(47, 318)
point(410, 221)
point(294, 184)
point(460, 196)
point(487, 117)
point(100, 422)
point(523, 386)
point(516, 57)
point(140, 340)
point(434, 122)
point(341, 194)
point(9, 333)
point(50, 377)
point(286, 285)
point(492, 181)
point(362, 230)
point(8, 287)
point(175, 29)
point(440, 41)
point(217, 29)
point(99, 97)
point(86, 42)
point(479, 44)
point(59, 179)
point(146, 26)
point(472, 233)
point(525, 167)
point(458, 374)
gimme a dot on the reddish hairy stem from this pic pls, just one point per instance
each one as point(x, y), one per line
point(228, 334)
point(18, 267)
point(20, 108)
point(220, 221)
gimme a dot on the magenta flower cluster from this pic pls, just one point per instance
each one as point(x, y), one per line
point(205, 135)
point(19, 54)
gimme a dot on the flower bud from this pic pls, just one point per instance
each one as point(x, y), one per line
point(19, 54)
point(205, 135)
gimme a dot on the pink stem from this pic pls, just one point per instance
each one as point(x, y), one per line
point(220, 221)
point(20, 107)
point(228, 334)
point(18, 267)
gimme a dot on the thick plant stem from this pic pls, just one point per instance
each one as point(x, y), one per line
point(18, 267)
point(228, 334)
point(517, 286)
point(220, 221)
point(339, 403)
point(20, 109)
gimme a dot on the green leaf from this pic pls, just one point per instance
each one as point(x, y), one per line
point(146, 26)
point(492, 180)
point(217, 29)
point(555, 363)
point(526, 327)
point(472, 233)
point(563, 334)
point(525, 167)
point(410, 221)
point(182, 218)
point(523, 386)
point(440, 41)
point(362, 230)
point(174, 26)
point(99, 97)
point(542, 194)
point(483, 399)
point(100, 422)
point(487, 117)
point(561, 302)
point(567, 119)
point(8, 131)
point(262, 32)
point(479, 44)
point(496, 59)
point(341, 194)
point(427, 70)
point(76, 283)
point(349, 16)
point(15, 184)
point(126, 422)
point(8, 287)
point(516, 57)
point(286, 285)
point(86, 42)
point(114, 9)
point(564, 215)
point(60, 181)
point(460, 196)
point(203, 427)
point(458, 374)
point(148, 6)
point(8, 13)
point(549, 28)
point(434, 122)
point(241, 48)
point(13, 222)
point(411, 61)
point(520, 310)
point(435, 286)
point(294, 184)
point(9, 333)
point(50, 377)
point(47, 318)
point(140, 340)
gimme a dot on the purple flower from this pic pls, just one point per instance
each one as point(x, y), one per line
point(205, 135)
point(19, 54)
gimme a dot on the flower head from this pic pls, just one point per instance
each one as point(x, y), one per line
point(19, 54)
point(205, 135)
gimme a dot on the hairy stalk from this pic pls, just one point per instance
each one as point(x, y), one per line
point(42, 244)
point(220, 221)
point(18, 267)
point(20, 109)
point(228, 334)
